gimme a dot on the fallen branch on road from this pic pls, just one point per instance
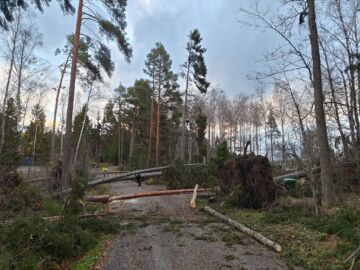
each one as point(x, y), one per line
point(259, 237)
point(108, 198)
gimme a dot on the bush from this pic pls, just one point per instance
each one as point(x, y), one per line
point(34, 243)
point(31, 242)
point(23, 198)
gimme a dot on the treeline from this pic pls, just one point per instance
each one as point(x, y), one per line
point(140, 126)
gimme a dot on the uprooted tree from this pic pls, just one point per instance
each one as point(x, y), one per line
point(247, 180)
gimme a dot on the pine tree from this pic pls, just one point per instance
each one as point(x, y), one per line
point(80, 120)
point(158, 68)
point(119, 101)
point(195, 72)
point(113, 29)
point(201, 122)
point(9, 7)
point(108, 132)
point(36, 138)
point(11, 154)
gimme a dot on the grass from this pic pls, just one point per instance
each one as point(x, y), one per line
point(231, 238)
point(91, 258)
point(308, 240)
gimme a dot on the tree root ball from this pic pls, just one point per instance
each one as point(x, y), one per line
point(248, 179)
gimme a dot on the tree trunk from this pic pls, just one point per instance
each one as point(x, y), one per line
point(184, 134)
point(68, 148)
point(119, 135)
point(208, 143)
point(20, 71)
point(262, 239)
point(194, 196)
point(132, 140)
point(7, 87)
point(336, 110)
point(56, 107)
point(158, 130)
point(122, 147)
point(151, 129)
point(82, 126)
point(325, 155)
point(283, 142)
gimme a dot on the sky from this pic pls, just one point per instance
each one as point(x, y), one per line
point(232, 53)
point(232, 50)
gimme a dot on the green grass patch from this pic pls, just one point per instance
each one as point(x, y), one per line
point(92, 257)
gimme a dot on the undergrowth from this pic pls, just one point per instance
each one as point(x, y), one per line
point(28, 241)
point(308, 240)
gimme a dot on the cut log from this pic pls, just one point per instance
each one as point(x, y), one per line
point(108, 198)
point(193, 199)
point(156, 193)
point(257, 236)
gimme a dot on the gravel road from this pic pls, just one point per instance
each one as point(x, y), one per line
point(164, 233)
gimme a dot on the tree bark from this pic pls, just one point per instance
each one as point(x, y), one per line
point(82, 127)
point(156, 193)
point(185, 114)
point(158, 129)
point(259, 237)
point(325, 155)
point(133, 135)
point(151, 127)
point(336, 110)
point(68, 148)
point(194, 196)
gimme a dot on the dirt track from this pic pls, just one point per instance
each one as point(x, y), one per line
point(164, 233)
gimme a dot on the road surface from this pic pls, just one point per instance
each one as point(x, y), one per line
point(164, 233)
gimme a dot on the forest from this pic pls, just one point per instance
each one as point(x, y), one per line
point(282, 158)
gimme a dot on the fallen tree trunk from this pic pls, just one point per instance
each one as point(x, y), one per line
point(145, 173)
point(156, 193)
point(108, 198)
point(193, 199)
point(122, 177)
point(295, 175)
point(114, 179)
point(262, 239)
point(133, 173)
